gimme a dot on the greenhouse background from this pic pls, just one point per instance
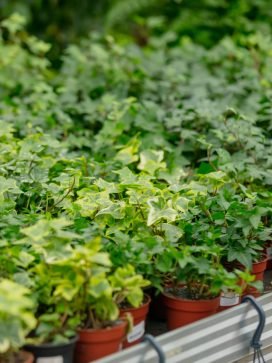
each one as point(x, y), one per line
point(135, 180)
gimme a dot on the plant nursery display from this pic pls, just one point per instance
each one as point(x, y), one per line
point(135, 172)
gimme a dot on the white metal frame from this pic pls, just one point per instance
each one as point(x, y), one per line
point(221, 338)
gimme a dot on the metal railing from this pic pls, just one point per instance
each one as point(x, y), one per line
point(222, 338)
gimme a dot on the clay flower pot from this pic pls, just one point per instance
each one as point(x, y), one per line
point(258, 269)
point(63, 352)
point(181, 311)
point(139, 317)
point(97, 343)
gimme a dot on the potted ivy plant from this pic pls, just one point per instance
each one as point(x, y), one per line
point(197, 281)
point(76, 307)
point(16, 321)
point(85, 296)
point(77, 292)
point(55, 333)
point(49, 242)
point(245, 238)
point(100, 293)
point(231, 216)
point(130, 298)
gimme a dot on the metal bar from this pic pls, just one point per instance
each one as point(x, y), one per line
point(149, 338)
point(224, 337)
point(256, 340)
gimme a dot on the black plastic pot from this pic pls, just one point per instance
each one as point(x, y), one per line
point(62, 353)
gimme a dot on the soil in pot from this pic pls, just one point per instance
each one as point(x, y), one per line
point(181, 311)
point(21, 357)
point(97, 343)
point(63, 353)
point(139, 320)
point(230, 266)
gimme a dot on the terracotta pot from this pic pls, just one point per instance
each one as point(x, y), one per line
point(97, 343)
point(139, 317)
point(258, 269)
point(180, 311)
point(61, 351)
point(26, 357)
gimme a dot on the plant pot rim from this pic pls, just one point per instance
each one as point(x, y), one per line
point(173, 297)
point(147, 301)
point(264, 259)
point(50, 345)
point(239, 265)
point(117, 324)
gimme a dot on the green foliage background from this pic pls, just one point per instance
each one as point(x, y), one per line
point(205, 21)
point(167, 89)
point(144, 123)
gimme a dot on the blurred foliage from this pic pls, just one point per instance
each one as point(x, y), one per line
point(150, 148)
point(205, 21)
point(57, 21)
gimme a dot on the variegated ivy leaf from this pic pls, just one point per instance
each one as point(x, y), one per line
point(159, 210)
point(129, 153)
point(107, 186)
point(8, 185)
point(151, 160)
point(116, 210)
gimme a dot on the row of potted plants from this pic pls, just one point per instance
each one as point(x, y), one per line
point(77, 299)
point(88, 313)
point(193, 237)
point(94, 182)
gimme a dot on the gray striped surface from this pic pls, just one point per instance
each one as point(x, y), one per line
point(222, 338)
